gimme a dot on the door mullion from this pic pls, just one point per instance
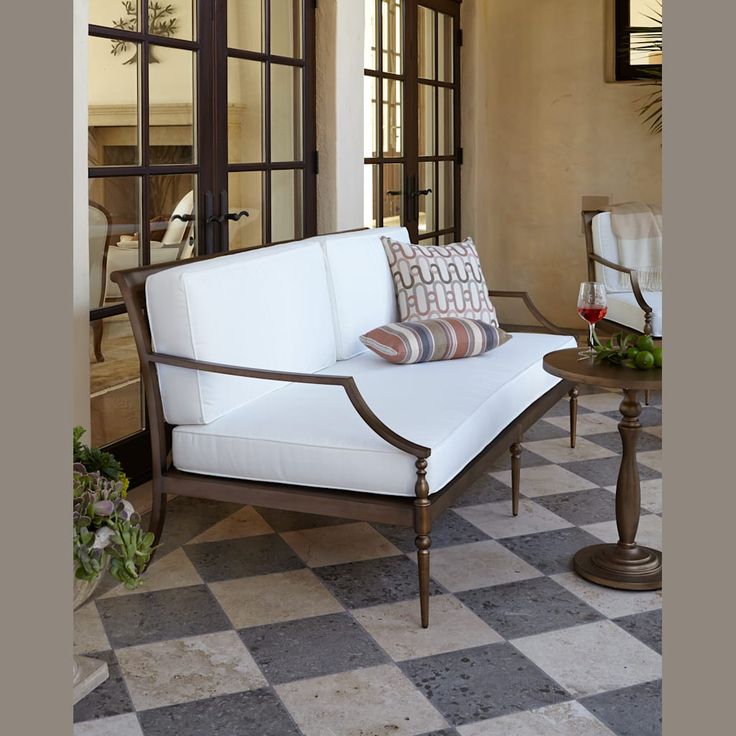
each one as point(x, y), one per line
point(411, 116)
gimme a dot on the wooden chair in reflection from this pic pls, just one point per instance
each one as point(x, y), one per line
point(99, 245)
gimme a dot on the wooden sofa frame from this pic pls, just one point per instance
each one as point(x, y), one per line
point(418, 512)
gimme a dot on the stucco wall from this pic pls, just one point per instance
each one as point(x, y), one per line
point(541, 129)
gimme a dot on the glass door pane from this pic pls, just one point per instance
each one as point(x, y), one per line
point(411, 104)
point(266, 156)
point(143, 188)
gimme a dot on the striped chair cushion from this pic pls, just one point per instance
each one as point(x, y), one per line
point(433, 339)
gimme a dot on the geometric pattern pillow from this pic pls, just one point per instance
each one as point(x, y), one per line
point(433, 339)
point(433, 281)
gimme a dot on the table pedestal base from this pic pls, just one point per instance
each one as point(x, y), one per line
point(621, 567)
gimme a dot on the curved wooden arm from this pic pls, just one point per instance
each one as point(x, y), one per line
point(532, 307)
point(346, 382)
point(640, 300)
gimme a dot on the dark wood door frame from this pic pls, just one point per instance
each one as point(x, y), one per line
point(410, 158)
point(210, 165)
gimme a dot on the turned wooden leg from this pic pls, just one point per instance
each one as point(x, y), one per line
point(97, 328)
point(515, 450)
point(423, 542)
point(573, 414)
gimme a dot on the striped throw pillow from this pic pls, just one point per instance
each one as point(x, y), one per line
point(433, 339)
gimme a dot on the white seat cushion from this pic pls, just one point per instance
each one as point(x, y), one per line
point(267, 308)
point(311, 435)
point(361, 285)
point(623, 308)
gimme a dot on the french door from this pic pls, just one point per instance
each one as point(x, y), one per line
point(412, 102)
point(201, 139)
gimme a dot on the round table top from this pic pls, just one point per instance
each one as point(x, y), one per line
point(566, 364)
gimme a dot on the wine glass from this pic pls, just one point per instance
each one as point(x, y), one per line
point(592, 307)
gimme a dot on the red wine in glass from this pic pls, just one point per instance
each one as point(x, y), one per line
point(592, 314)
point(592, 307)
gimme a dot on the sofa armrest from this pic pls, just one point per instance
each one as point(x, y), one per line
point(633, 276)
point(532, 307)
point(346, 382)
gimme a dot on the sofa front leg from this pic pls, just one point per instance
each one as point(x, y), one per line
point(515, 451)
point(422, 527)
point(573, 414)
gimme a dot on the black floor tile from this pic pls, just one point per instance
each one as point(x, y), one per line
point(240, 558)
point(372, 582)
point(528, 607)
point(646, 627)
point(550, 552)
point(311, 647)
point(253, 713)
point(483, 682)
point(141, 618)
point(632, 711)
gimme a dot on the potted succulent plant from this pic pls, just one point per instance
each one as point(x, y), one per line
point(107, 537)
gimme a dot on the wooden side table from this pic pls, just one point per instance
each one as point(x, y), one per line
point(625, 565)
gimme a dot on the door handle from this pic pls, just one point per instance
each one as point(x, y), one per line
point(421, 192)
point(394, 193)
point(183, 218)
point(235, 216)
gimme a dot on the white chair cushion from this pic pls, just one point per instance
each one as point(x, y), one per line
point(311, 435)
point(361, 286)
point(605, 244)
point(267, 308)
point(623, 308)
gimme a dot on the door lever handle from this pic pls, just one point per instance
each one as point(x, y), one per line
point(235, 216)
point(421, 192)
point(394, 193)
point(183, 218)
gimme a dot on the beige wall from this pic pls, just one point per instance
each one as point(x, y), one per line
point(541, 129)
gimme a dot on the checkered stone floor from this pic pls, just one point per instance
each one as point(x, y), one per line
point(265, 623)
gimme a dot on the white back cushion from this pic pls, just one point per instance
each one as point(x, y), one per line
point(268, 308)
point(605, 244)
point(362, 289)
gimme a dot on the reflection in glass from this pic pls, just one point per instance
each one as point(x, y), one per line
point(113, 133)
point(445, 48)
point(370, 34)
point(172, 197)
point(392, 117)
point(246, 25)
point(245, 111)
point(286, 113)
point(286, 28)
point(445, 122)
point(425, 41)
point(446, 239)
point(171, 114)
point(116, 394)
point(286, 205)
point(114, 225)
point(393, 194)
point(370, 129)
point(113, 14)
point(446, 198)
point(391, 35)
point(371, 196)
point(171, 20)
point(245, 192)
point(426, 202)
point(427, 142)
